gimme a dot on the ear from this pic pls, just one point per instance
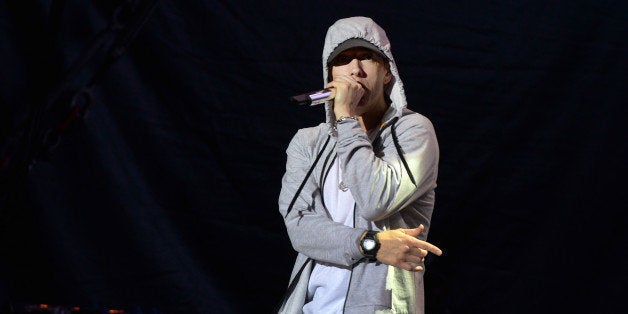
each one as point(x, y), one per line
point(387, 77)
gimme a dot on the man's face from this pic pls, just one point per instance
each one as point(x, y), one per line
point(368, 68)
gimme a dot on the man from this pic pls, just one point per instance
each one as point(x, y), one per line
point(358, 192)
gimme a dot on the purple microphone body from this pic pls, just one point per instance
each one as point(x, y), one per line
point(313, 98)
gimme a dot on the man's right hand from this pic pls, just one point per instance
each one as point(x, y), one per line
point(401, 248)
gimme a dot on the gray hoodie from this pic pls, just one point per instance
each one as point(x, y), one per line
point(391, 175)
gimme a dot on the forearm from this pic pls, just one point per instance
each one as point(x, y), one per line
point(384, 185)
point(324, 240)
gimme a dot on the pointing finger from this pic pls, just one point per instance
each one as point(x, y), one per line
point(429, 247)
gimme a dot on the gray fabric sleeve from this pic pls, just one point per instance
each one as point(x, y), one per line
point(311, 231)
point(381, 185)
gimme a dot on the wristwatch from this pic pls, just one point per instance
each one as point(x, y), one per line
point(370, 244)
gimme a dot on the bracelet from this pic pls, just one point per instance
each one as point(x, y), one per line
point(343, 118)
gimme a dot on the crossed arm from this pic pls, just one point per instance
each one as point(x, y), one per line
point(312, 233)
point(401, 248)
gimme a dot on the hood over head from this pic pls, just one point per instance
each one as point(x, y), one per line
point(341, 35)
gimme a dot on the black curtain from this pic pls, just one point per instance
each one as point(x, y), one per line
point(142, 145)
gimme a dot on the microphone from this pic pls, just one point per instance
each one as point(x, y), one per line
point(313, 98)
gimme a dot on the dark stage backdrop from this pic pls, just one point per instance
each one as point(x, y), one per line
point(143, 144)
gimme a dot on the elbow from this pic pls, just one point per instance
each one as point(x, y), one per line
point(372, 213)
point(377, 206)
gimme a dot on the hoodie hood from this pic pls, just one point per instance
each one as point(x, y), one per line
point(366, 29)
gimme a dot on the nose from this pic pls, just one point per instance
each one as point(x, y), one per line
point(356, 68)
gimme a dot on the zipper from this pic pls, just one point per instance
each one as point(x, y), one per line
point(324, 174)
point(296, 195)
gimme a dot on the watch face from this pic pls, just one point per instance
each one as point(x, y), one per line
point(369, 244)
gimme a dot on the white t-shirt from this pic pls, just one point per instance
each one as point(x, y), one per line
point(328, 285)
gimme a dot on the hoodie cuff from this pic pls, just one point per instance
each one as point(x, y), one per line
point(355, 252)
